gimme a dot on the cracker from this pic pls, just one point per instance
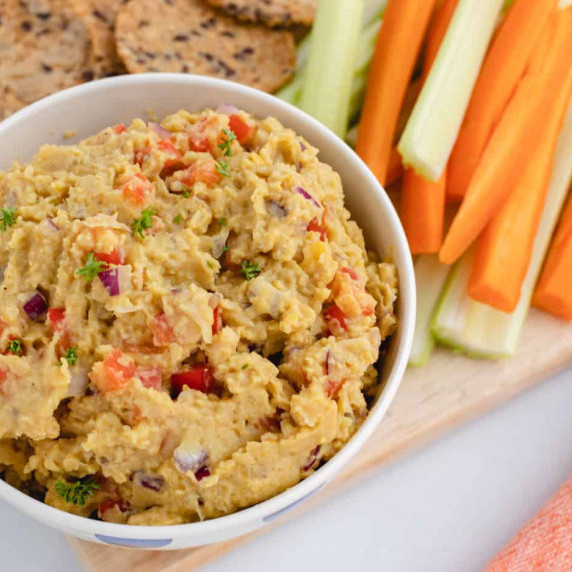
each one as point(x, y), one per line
point(270, 12)
point(8, 102)
point(44, 48)
point(191, 37)
point(99, 17)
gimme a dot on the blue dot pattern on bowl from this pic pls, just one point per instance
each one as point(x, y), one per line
point(274, 515)
point(133, 542)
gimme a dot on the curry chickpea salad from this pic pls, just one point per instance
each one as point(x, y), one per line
point(189, 319)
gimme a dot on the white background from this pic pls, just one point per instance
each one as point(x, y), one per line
point(450, 507)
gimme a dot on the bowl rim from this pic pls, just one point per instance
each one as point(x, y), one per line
point(323, 475)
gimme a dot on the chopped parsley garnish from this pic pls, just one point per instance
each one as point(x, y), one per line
point(7, 217)
point(250, 270)
point(91, 268)
point(186, 192)
point(15, 346)
point(223, 221)
point(210, 264)
point(177, 219)
point(145, 222)
point(77, 493)
point(71, 356)
point(225, 248)
point(226, 142)
point(245, 366)
point(223, 168)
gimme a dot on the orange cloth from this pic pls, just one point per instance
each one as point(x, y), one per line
point(545, 543)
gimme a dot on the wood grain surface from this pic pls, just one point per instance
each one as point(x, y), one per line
point(451, 390)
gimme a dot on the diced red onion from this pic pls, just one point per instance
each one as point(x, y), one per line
point(36, 306)
point(78, 381)
point(187, 460)
point(312, 458)
point(148, 481)
point(226, 108)
point(276, 209)
point(110, 279)
point(307, 195)
point(160, 130)
point(116, 280)
point(202, 473)
point(302, 146)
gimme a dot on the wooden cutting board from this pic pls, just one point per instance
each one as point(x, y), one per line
point(451, 390)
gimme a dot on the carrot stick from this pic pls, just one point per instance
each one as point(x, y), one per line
point(504, 66)
point(554, 290)
point(394, 168)
point(394, 59)
point(504, 249)
point(514, 139)
point(422, 201)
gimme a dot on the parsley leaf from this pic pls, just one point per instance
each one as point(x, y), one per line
point(15, 346)
point(223, 168)
point(77, 493)
point(225, 248)
point(225, 145)
point(7, 217)
point(177, 219)
point(250, 270)
point(145, 222)
point(71, 356)
point(186, 192)
point(245, 366)
point(91, 268)
point(223, 221)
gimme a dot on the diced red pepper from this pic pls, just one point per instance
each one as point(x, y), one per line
point(141, 155)
point(115, 371)
point(350, 272)
point(333, 387)
point(119, 128)
point(113, 257)
point(106, 506)
point(173, 161)
point(163, 333)
point(199, 143)
point(137, 189)
point(198, 377)
point(204, 171)
point(316, 226)
point(3, 377)
point(151, 377)
point(56, 317)
point(217, 320)
point(240, 128)
point(335, 318)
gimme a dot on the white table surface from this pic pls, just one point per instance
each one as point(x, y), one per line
point(450, 507)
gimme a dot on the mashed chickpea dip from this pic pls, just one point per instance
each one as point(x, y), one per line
point(189, 319)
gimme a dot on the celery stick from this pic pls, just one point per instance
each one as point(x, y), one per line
point(430, 277)
point(327, 84)
point(291, 92)
point(351, 136)
point(480, 330)
point(436, 119)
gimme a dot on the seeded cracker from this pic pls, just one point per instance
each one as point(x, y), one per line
point(8, 102)
point(44, 48)
point(191, 37)
point(270, 12)
point(99, 17)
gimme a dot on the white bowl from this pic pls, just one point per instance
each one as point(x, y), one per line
point(90, 107)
